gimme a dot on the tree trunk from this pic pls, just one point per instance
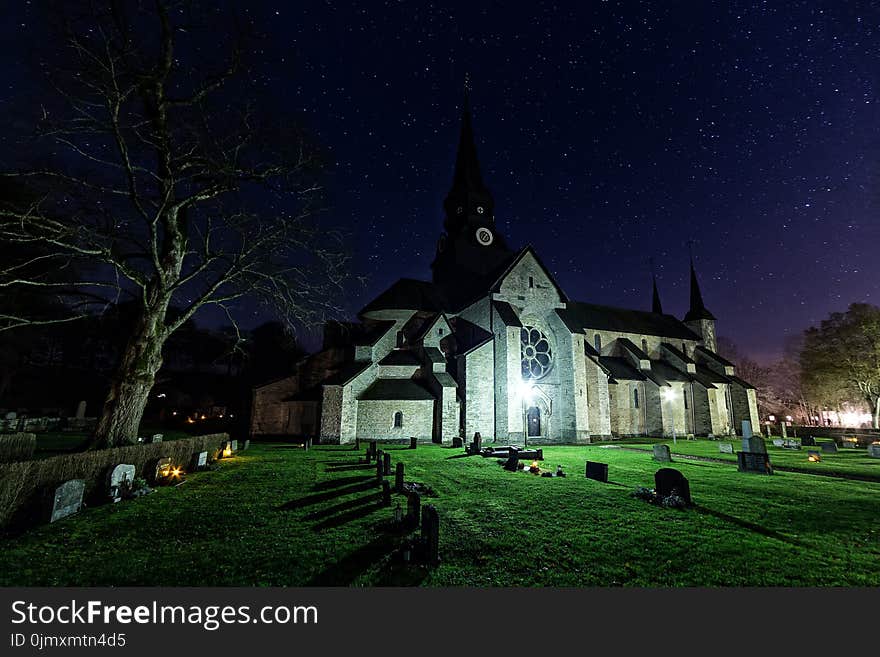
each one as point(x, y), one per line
point(876, 413)
point(133, 380)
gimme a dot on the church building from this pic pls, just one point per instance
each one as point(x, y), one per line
point(493, 344)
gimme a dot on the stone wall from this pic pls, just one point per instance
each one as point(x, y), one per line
point(269, 413)
point(477, 375)
point(375, 419)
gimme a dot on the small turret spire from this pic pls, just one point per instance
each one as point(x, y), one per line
point(698, 309)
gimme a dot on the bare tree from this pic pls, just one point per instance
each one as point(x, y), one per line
point(169, 186)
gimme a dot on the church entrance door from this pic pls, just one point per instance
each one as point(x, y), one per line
point(533, 420)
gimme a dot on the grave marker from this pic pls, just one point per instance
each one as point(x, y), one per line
point(413, 509)
point(157, 438)
point(661, 453)
point(386, 464)
point(163, 469)
point(81, 410)
point(597, 471)
point(198, 461)
point(121, 478)
point(874, 450)
point(380, 466)
point(829, 447)
point(757, 462)
point(413, 442)
point(67, 499)
point(457, 441)
point(668, 481)
point(755, 445)
point(725, 448)
point(398, 478)
point(512, 460)
point(431, 535)
point(747, 429)
point(234, 445)
point(386, 493)
point(247, 443)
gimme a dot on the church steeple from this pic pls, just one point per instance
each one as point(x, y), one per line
point(468, 200)
point(656, 306)
point(698, 309)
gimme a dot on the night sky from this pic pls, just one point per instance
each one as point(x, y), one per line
point(608, 132)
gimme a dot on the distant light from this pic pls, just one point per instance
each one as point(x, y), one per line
point(161, 395)
point(772, 418)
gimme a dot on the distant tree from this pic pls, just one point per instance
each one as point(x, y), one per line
point(165, 182)
point(271, 352)
point(840, 359)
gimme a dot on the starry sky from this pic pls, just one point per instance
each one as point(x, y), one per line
point(609, 133)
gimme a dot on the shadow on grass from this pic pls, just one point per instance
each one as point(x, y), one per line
point(341, 481)
point(460, 456)
point(355, 514)
point(745, 524)
point(344, 506)
point(351, 466)
point(347, 569)
point(324, 497)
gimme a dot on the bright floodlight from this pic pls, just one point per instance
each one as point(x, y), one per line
point(526, 391)
point(669, 394)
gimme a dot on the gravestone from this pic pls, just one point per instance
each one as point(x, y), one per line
point(163, 469)
point(68, 499)
point(386, 493)
point(512, 460)
point(367, 455)
point(413, 509)
point(245, 445)
point(725, 448)
point(357, 444)
point(597, 471)
point(198, 461)
point(808, 441)
point(380, 466)
point(157, 438)
point(234, 445)
point(121, 477)
point(413, 442)
point(81, 410)
point(457, 441)
point(829, 447)
point(755, 445)
point(757, 462)
point(747, 429)
point(386, 463)
point(668, 481)
point(661, 453)
point(398, 478)
point(874, 450)
point(778, 442)
point(478, 443)
point(791, 443)
point(431, 535)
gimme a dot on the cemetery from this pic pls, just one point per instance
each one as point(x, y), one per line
point(376, 514)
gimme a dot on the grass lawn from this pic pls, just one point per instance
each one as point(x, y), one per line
point(846, 461)
point(276, 515)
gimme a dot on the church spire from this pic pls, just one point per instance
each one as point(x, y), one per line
point(656, 306)
point(469, 198)
point(698, 308)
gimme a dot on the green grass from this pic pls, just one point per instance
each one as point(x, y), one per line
point(276, 515)
point(846, 462)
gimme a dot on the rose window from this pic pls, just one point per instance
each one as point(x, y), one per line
point(536, 353)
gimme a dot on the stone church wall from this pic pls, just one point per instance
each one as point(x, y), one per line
point(477, 376)
point(269, 414)
point(375, 419)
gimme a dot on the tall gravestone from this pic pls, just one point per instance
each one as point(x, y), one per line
point(67, 499)
point(199, 461)
point(757, 462)
point(597, 471)
point(413, 443)
point(746, 429)
point(478, 443)
point(661, 453)
point(668, 481)
point(121, 478)
point(81, 410)
point(380, 466)
point(431, 534)
point(398, 477)
point(874, 450)
point(386, 464)
point(754, 445)
point(413, 509)
point(386, 493)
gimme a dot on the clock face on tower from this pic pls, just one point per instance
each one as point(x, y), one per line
point(484, 236)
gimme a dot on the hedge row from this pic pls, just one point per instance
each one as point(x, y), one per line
point(17, 447)
point(26, 485)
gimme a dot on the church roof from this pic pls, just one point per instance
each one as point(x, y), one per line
point(678, 353)
point(713, 356)
point(620, 368)
point(408, 294)
point(743, 383)
point(400, 357)
point(348, 372)
point(668, 371)
point(711, 375)
point(395, 390)
point(579, 316)
point(506, 313)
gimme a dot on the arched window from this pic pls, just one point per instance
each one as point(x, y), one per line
point(597, 342)
point(685, 395)
point(635, 398)
point(398, 420)
point(645, 346)
point(401, 339)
